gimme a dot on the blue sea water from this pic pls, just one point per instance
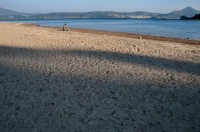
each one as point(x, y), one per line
point(172, 28)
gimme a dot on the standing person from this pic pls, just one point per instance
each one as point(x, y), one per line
point(65, 28)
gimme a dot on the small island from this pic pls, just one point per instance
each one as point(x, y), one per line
point(195, 17)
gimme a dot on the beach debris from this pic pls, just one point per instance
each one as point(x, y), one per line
point(139, 37)
point(138, 49)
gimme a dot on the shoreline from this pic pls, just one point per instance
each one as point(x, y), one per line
point(135, 35)
point(126, 34)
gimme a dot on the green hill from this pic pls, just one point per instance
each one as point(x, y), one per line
point(188, 12)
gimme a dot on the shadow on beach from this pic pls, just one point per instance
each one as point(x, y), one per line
point(57, 90)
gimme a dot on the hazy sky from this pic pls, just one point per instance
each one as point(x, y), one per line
point(47, 6)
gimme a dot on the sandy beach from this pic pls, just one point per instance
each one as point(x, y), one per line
point(87, 80)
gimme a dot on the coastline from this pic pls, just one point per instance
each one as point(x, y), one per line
point(54, 80)
point(134, 35)
point(127, 35)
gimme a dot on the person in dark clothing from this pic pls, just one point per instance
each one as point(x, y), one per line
point(65, 28)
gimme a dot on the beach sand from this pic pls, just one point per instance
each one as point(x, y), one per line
point(52, 80)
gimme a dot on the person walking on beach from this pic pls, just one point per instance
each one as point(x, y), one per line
point(65, 28)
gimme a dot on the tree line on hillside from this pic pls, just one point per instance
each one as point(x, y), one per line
point(195, 17)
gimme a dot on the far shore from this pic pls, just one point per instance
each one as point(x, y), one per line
point(126, 34)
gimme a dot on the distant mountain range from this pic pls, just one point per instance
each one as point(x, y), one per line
point(7, 12)
point(10, 14)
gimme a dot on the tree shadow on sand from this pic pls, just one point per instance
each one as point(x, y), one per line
point(66, 90)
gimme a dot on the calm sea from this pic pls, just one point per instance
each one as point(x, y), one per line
point(172, 28)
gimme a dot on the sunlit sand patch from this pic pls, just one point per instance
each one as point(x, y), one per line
point(30, 35)
point(45, 33)
point(17, 24)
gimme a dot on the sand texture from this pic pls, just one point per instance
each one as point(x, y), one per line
point(51, 80)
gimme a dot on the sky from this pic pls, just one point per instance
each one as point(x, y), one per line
point(48, 6)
